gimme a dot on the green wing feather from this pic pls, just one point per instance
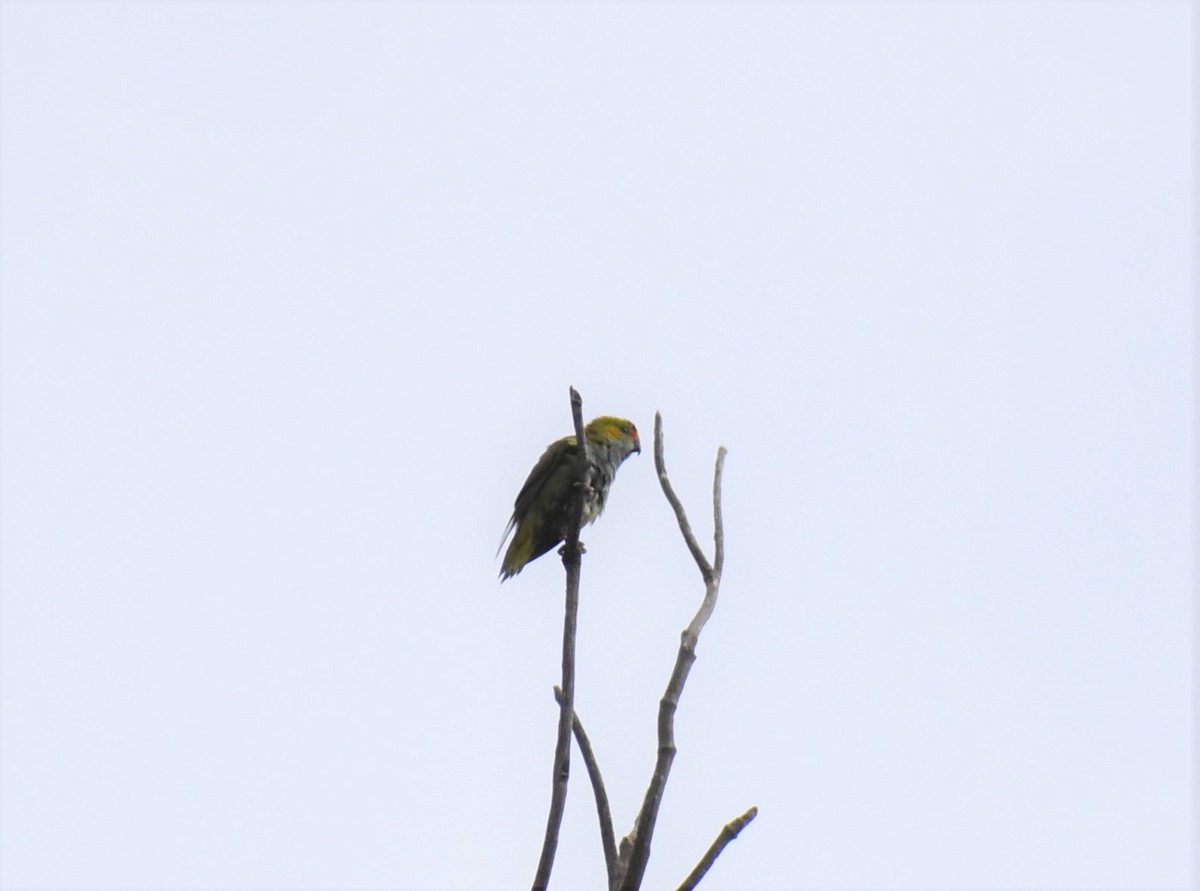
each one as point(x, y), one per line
point(537, 498)
point(552, 460)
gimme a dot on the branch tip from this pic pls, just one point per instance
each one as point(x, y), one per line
point(728, 833)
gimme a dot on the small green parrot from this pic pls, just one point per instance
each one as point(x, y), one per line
point(540, 513)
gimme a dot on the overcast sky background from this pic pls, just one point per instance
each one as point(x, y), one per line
point(292, 297)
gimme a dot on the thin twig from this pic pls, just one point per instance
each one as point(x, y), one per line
point(676, 505)
point(718, 517)
point(727, 834)
point(577, 418)
point(636, 853)
point(713, 579)
point(572, 559)
point(603, 811)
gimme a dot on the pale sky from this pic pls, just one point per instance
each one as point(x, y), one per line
point(292, 294)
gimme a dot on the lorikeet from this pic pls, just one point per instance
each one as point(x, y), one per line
point(541, 513)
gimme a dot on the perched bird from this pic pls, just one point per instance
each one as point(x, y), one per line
point(541, 514)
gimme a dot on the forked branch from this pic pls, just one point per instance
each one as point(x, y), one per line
point(635, 848)
point(603, 810)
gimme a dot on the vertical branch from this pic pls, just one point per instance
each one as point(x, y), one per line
point(712, 574)
point(577, 420)
point(636, 854)
point(718, 516)
point(572, 560)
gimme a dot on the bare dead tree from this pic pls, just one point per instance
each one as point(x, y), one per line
point(626, 867)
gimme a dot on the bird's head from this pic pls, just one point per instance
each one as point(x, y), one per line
point(613, 434)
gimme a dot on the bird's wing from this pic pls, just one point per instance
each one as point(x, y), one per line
point(552, 461)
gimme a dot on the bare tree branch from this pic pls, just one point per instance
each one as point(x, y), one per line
point(603, 811)
point(713, 579)
point(635, 848)
point(727, 834)
point(577, 418)
point(572, 555)
point(718, 517)
point(676, 505)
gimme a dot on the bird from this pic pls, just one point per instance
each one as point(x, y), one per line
point(541, 513)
